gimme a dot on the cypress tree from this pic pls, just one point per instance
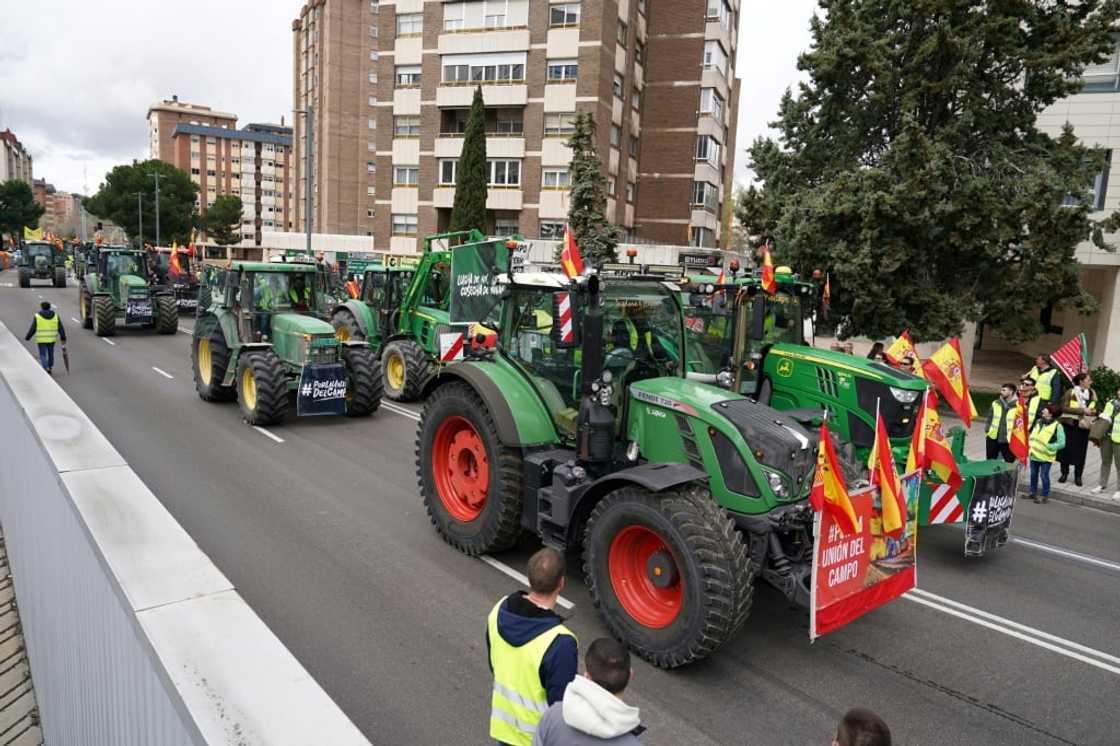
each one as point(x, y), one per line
point(469, 210)
point(596, 237)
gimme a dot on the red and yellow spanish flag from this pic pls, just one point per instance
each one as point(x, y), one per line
point(1018, 439)
point(570, 260)
point(945, 370)
point(769, 283)
point(829, 491)
point(916, 459)
point(937, 454)
point(885, 477)
point(900, 348)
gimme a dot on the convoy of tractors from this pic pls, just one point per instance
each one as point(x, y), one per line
point(662, 426)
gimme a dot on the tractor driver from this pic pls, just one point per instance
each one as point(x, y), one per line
point(299, 293)
point(264, 302)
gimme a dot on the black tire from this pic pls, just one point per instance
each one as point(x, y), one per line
point(203, 301)
point(60, 277)
point(363, 385)
point(271, 405)
point(104, 316)
point(416, 365)
point(84, 310)
point(498, 526)
point(24, 277)
point(167, 314)
point(344, 320)
point(706, 551)
point(211, 389)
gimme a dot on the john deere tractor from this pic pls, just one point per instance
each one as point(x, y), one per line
point(580, 426)
point(42, 260)
point(259, 341)
point(174, 268)
point(401, 313)
point(117, 288)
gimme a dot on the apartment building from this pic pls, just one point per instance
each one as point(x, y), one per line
point(167, 114)
point(391, 84)
point(15, 162)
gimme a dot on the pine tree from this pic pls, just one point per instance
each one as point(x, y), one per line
point(911, 168)
point(473, 172)
point(597, 239)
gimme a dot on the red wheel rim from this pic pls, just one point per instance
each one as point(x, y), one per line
point(460, 467)
point(645, 577)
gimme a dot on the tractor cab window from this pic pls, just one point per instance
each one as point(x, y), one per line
point(641, 331)
point(119, 265)
point(709, 324)
point(436, 291)
point(373, 288)
point(274, 292)
point(39, 249)
point(553, 371)
point(784, 320)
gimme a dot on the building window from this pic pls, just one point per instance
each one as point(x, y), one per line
point(447, 171)
point(640, 53)
point(509, 122)
point(488, 14)
point(633, 146)
point(705, 195)
point(711, 103)
point(482, 73)
point(623, 32)
point(708, 150)
point(564, 15)
point(1096, 196)
point(715, 58)
point(371, 147)
point(406, 126)
point(404, 225)
point(453, 16)
point(719, 10)
point(371, 167)
point(563, 123)
point(551, 231)
point(630, 191)
point(618, 86)
point(373, 32)
point(616, 136)
point(506, 225)
point(702, 237)
point(505, 173)
point(408, 76)
point(372, 76)
point(636, 99)
point(373, 55)
point(196, 172)
point(369, 212)
point(556, 178)
point(371, 191)
point(371, 123)
point(373, 100)
point(1104, 77)
point(211, 172)
point(410, 24)
point(408, 176)
point(375, 6)
point(611, 186)
point(562, 70)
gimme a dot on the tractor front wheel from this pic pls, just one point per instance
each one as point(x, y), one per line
point(469, 481)
point(668, 571)
point(60, 277)
point(167, 314)
point(104, 316)
point(363, 385)
point(262, 391)
point(406, 368)
point(24, 277)
point(346, 327)
point(84, 309)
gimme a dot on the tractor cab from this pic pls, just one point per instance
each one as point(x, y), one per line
point(120, 270)
point(258, 293)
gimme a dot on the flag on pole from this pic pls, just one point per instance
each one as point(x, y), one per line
point(916, 459)
point(937, 456)
point(945, 369)
point(1019, 439)
point(885, 477)
point(903, 347)
point(570, 260)
point(769, 283)
point(32, 234)
point(829, 491)
point(1072, 357)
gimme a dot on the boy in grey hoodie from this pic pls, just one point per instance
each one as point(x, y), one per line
point(591, 712)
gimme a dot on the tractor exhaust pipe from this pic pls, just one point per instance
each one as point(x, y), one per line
point(595, 426)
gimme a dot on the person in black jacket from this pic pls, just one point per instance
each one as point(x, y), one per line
point(47, 329)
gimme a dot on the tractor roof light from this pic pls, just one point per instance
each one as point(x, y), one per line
point(904, 396)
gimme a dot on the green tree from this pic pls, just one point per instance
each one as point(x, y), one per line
point(587, 207)
point(473, 172)
point(18, 208)
point(222, 220)
point(910, 165)
point(116, 200)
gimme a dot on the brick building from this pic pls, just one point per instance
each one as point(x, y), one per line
point(15, 162)
point(390, 85)
point(164, 116)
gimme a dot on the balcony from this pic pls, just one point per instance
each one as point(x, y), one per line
point(497, 197)
point(498, 145)
point(484, 40)
point(494, 93)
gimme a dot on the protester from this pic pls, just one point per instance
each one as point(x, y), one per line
point(907, 364)
point(1079, 409)
point(1046, 439)
point(1109, 443)
point(860, 727)
point(1001, 421)
point(592, 711)
point(1047, 380)
point(877, 353)
point(47, 329)
point(1029, 395)
point(533, 656)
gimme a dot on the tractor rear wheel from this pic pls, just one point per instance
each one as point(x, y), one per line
point(469, 481)
point(104, 316)
point(262, 391)
point(203, 300)
point(167, 314)
point(24, 277)
point(405, 368)
point(668, 571)
point(210, 360)
point(60, 277)
point(346, 327)
point(84, 309)
point(363, 385)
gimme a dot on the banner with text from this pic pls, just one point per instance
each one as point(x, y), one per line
point(322, 390)
point(857, 573)
point(474, 280)
point(989, 513)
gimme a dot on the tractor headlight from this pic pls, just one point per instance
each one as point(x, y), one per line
point(607, 377)
point(904, 396)
point(606, 392)
point(777, 484)
point(725, 379)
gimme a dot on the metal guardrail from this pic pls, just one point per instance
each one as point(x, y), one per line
point(133, 635)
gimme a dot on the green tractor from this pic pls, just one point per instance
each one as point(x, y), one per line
point(743, 339)
point(42, 260)
point(402, 311)
point(117, 288)
point(260, 341)
point(580, 426)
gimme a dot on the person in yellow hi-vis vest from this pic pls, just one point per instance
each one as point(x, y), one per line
point(1001, 422)
point(1046, 379)
point(532, 654)
point(1046, 439)
point(47, 329)
point(1110, 444)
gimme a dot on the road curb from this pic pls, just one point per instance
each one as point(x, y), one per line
point(1076, 498)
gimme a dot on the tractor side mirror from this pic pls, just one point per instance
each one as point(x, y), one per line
point(758, 317)
point(565, 320)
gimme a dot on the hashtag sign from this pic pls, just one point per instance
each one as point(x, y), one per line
point(979, 513)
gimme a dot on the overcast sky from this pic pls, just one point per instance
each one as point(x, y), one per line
point(77, 78)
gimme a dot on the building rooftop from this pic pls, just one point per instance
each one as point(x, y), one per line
point(175, 105)
point(232, 134)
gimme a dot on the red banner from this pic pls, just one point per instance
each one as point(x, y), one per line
point(857, 573)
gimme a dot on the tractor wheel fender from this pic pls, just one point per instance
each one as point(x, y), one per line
point(504, 394)
point(650, 477)
point(361, 313)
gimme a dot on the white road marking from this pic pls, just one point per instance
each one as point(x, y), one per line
point(507, 570)
point(186, 329)
point(1067, 553)
point(266, 433)
point(108, 341)
point(1036, 637)
point(40, 297)
point(165, 374)
point(76, 321)
point(402, 411)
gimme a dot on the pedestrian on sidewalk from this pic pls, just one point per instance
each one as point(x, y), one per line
point(1030, 398)
point(533, 656)
point(1079, 409)
point(1110, 444)
point(1001, 421)
point(860, 727)
point(592, 711)
point(1046, 380)
point(47, 329)
point(1046, 439)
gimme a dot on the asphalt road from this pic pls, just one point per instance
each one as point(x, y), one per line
point(325, 536)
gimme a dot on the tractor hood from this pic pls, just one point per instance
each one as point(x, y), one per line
point(298, 339)
point(131, 282)
point(295, 323)
point(841, 361)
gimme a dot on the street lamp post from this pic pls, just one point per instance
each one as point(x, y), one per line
point(157, 177)
point(309, 172)
point(140, 217)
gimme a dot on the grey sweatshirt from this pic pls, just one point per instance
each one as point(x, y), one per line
point(589, 715)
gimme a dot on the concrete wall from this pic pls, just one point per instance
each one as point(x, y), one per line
point(133, 635)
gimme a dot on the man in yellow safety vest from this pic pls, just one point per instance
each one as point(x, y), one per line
point(532, 654)
point(47, 329)
point(1000, 424)
point(1046, 379)
point(1046, 439)
point(1110, 444)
